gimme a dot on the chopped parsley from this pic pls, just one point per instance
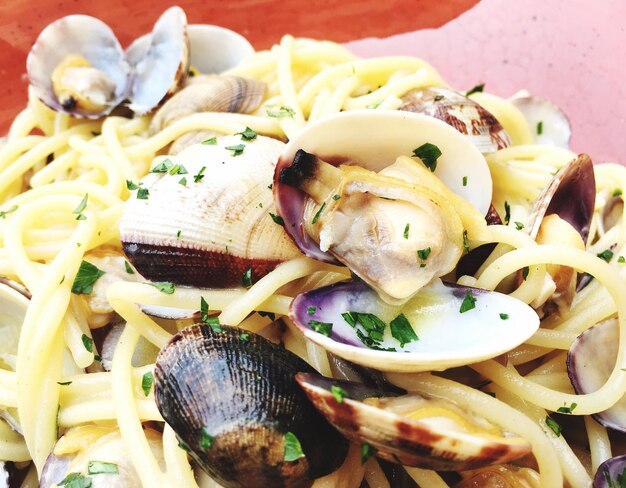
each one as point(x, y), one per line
point(367, 452)
point(64, 383)
point(128, 268)
point(210, 142)
point(405, 234)
point(476, 89)
point(466, 246)
point(374, 105)
point(269, 315)
point(85, 279)
point(540, 127)
point(606, 255)
point(428, 153)
point(204, 310)
point(621, 259)
point(293, 449)
point(283, 111)
point(146, 382)
point(525, 271)
point(423, 254)
point(277, 219)
point(178, 169)
point(246, 278)
point(336, 197)
point(82, 205)
point(465, 181)
point(402, 331)
point(373, 326)
point(324, 328)
point(316, 217)
point(566, 409)
point(247, 135)
point(339, 393)
point(617, 192)
point(100, 467)
point(311, 310)
point(519, 225)
point(163, 167)
point(178, 233)
point(164, 287)
point(75, 480)
point(143, 194)
point(87, 342)
point(350, 318)
point(554, 426)
point(197, 178)
point(438, 98)
point(611, 483)
point(504, 316)
point(237, 150)
point(131, 186)
point(206, 439)
point(4, 213)
point(469, 302)
point(507, 212)
point(244, 336)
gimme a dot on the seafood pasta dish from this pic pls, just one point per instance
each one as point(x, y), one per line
point(295, 267)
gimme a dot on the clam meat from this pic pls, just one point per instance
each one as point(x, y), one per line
point(205, 216)
point(348, 190)
point(411, 429)
point(232, 400)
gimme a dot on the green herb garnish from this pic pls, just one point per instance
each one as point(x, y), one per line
point(277, 219)
point(237, 150)
point(283, 111)
point(143, 194)
point(128, 268)
point(131, 186)
point(100, 467)
point(75, 480)
point(525, 271)
point(350, 317)
point(311, 310)
point(465, 181)
point(606, 255)
point(146, 382)
point(336, 197)
point(367, 452)
point(617, 192)
point(540, 127)
point(163, 167)
point(316, 217)
point(246, 278)
point(507, 213)
point(405, 234)
point(210, 142)
point(566, 409)
point(466, 246)
point(64, 383)
point(85, 279)
point(87, 342)
point(324, 328)
point(554, 426)
point(247, 135)
point(197, 178)
point(476, 89)
point(469, 302)
point(423, 254)
point(206, 439)
point(504, 316)
point(4, 213)
point(293, 449)
point(428, 153)
point(402, 331)
point(339, 393)
point(164, 287)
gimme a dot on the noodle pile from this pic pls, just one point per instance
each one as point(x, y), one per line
point(49, 162)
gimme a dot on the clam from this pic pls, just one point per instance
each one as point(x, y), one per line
point(547, 122)
point(232, 400)
point(96, 456)
point(206, 215)
point(159, 71)
point(590, 361)
point(562, 214)
point(348, 190)
point(77, 66)
point(501, 476)
point(412, 429)
point(13, 306)
point(440, 327)
point(611, 473)
point(462, 113)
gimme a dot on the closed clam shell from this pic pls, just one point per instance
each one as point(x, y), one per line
point(437, 438)
point(462, 113)
point(208, 232)
point(231, 398)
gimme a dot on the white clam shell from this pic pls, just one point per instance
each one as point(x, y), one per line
point(555, 126)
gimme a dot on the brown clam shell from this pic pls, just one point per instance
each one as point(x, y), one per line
point(231, 397)
point(403, 440)
point(462, 113)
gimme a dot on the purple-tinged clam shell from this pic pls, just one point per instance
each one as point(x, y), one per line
point(411, 429)
point(231, 398)
point(447, 336)
point(590, 361)
point(374, 139)
point(460, 112)
point(611, 473)
point(547, 122)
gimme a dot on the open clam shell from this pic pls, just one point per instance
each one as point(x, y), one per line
point(547, 122)
point(436, 332)
point(159, 70)
point(13, 306)
point(460, 112)
point(231, 398)
point(590, 361)
point(432, 434)
point(209, 231)
point(374, 139)
point(84, 36)
point(610, 473)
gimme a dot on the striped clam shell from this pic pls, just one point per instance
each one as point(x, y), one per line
point(207, 233)
point(462, 113)
point(433, 442)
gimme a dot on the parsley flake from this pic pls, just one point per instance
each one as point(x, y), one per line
point(277, 219)
point(247, 135)
point(183, 181)
point(244, 336)
point(82, 205)
point(469, 302)
point(428, 153)
point(197, 178)
point(402, 331)
point(283, 111)
point(237, 150)
point(438, 98)
point(336, 197)
point(164, 287)
point(163, 167)
point(146, 382)
point(507, 213)
point(311, 310)
point(210, 142)
point(87, 342)
point(339, 393)
point(246, 278)
point(206, 439)
point(324, 328)
point(466, 246)
point(143, 194)
point(86, 277)
point(293, 449)
point(519, 225)
point(75, 480)
point(4, 213)
point(540, 127)
point(349, 317)
point(621, 259)
point(566, 409)
point(131, 186)
point(465, 181)
point(606, 255)
point(316, 217)
point(405, 234)
point(554, 426)
point(423, 254)
point(374, 105)
point(504, 316)
point(128, 268)
point(100, 467)
point(525, 271)
point(64, 383)
point(617, 192)
point(476, 89)
point(367, 452)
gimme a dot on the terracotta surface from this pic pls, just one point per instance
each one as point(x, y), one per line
point(561, 50)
